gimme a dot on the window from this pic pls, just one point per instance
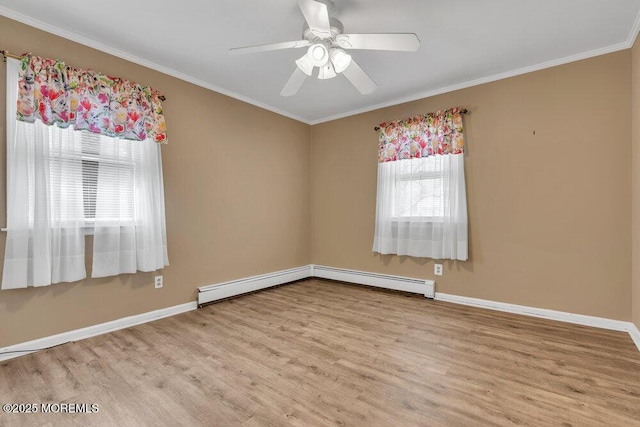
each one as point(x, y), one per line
point(421, 208)
point(421, 203)
point(419, 191)
point(63, 183)
point(103, 167)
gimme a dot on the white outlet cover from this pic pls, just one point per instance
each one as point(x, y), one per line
point(437, 269)
point(158, 282)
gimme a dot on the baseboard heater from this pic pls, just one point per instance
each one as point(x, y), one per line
point(399, 283)
point(207, 294)
point(219, 291)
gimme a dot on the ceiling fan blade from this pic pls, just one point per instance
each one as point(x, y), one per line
point(359, 78)
point(268, 47)
point(407, 42)
point(317, 16)
point(294, 84)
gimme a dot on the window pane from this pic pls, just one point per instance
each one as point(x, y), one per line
point(420, 197)
point(100, 167)
point(419, 189)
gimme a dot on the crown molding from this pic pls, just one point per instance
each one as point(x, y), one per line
point(480, 81)
point(633, 34)
point(75, 37)
point(78, 38)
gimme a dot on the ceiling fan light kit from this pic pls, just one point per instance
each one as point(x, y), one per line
point(340, 59)
point(305, 65)
point(326, 72)
point(326, 43)
point(318, 54)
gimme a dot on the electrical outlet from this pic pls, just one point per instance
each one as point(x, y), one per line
point(437, 269)
point(158, 282)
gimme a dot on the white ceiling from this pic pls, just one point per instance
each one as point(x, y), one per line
point(464, 42)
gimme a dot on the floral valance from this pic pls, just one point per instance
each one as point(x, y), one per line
point(55, 93)
point(422, 136)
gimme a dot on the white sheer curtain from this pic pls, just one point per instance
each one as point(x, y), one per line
point(45, 241)
point(421, 208)
point(130, 227)
point(63, 183)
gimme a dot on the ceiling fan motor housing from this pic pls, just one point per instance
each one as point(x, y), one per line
point(319, 53)
point(336, 29)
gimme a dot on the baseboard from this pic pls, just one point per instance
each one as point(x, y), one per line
point(207, 293)
point(21, 349)
point(398, 283)
point(250, 284)
point(419, 286)
point(562, 316)
point(635, 334)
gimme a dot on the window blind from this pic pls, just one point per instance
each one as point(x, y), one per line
point(419, 189)
point(102, 168)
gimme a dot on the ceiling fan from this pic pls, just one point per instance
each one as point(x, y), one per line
point(326, 43)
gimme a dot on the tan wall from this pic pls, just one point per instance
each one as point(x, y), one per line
point(549, 214)
point(635, 183)
point(550, 222)
point(236, 185)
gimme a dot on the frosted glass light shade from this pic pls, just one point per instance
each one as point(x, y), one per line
point(318, 54)
point(305, 65)
point(340, 59)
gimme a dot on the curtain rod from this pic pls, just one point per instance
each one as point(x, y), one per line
point(465, 111)
point(6, 54)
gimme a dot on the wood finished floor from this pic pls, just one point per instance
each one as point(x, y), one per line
point(323, 353)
